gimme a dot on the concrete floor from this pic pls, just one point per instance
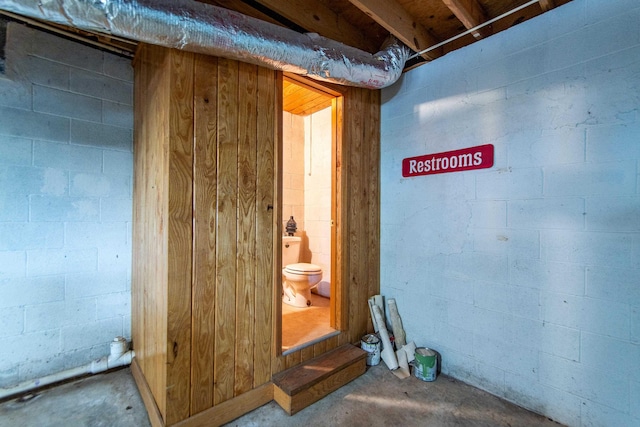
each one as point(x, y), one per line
point(105, 400)
point(377, 398)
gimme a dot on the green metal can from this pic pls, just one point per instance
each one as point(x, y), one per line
point(425, 365)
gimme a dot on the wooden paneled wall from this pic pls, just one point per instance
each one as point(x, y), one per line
point(361, 188)
point(206, 133)
point(150, 237)
point(206, 268)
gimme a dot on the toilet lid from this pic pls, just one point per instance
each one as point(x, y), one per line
point(303, 268)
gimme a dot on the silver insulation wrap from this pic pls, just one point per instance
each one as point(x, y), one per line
point(211, 30)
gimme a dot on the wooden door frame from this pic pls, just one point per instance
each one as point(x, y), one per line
point(338, 303)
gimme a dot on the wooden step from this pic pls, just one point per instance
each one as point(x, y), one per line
point(302, 385)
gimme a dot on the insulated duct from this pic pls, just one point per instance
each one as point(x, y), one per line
point(202, 28)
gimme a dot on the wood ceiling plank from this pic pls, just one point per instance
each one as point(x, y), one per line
point(547, 5)
point(316, 17)
point(309, 109)
point(303, 100)
point(297, 103)
point(395, 19)
point(471, 14)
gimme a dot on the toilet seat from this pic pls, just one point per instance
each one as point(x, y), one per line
point(303, 269)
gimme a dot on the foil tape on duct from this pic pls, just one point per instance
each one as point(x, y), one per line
point(211, 30)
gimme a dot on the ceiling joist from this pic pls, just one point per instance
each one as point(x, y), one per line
point(395, 19)
point(245, 9)
point(471, 14)
point(547, 5)
point(315, 17)
point(420, 24)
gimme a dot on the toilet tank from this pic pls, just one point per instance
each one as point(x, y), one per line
point(290, 250)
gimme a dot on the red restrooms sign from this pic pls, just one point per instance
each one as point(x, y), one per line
point(480, 157)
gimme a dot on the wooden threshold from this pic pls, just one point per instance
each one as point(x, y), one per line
point(304, 384)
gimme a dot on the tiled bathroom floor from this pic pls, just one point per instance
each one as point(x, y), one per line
point(301, 325)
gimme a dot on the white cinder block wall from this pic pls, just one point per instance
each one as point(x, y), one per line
point(526, 276)
point(65, 204)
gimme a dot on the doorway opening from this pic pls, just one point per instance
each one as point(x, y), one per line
point(309, 289)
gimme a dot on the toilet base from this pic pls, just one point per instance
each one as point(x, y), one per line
point(298, 299)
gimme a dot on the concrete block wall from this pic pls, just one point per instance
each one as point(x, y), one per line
point(66, 121)
point(525, 276)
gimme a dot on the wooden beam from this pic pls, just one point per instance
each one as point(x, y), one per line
point(547, 5)
point(243, 8)
point(316, 17)
point(471, 14)
point(395, 19)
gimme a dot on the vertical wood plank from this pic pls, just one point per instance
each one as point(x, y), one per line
point(364, 226)
point(306, 354)
point(333, 301)
point(226, 244)
point(356, 218)
point(155, 324)
point(373, 232)
point(344, 339)
point(180, 205)
point(246, 225)
point(334, 341)
point(139, 194)
point(319, 348)
point(339, 303)
point(278, 364)
point(149, 279)
point(267, 209)
point(292, 359)
point(204, 262)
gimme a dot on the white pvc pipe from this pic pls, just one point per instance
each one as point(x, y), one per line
point(116, 359)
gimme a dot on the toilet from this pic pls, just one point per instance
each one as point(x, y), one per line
point(297, 277)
